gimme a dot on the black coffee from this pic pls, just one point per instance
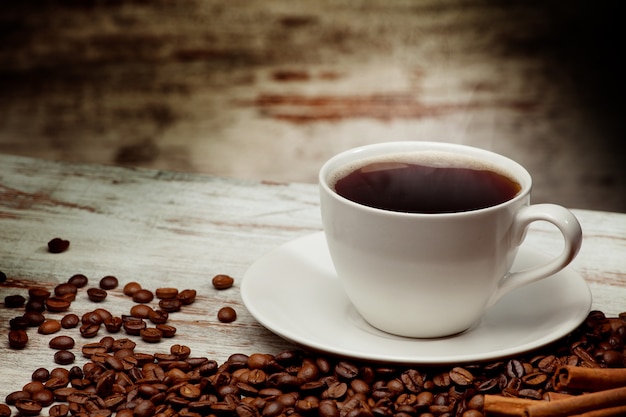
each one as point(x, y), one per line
point(420, 188)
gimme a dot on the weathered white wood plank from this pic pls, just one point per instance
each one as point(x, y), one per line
point(172, 229)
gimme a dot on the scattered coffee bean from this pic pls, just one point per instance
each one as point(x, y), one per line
point(58, 245)
point(78, 280)
point(38, 293)
point(113, 324)
point(14, 301)
point(134, 326)
point(3, 277)
point(49, 326)
point(28, 407)
point(187, 296)
point(109, 282)
point(18, 339)
point(166, 330)
point(143, 296)
point(70, 321)
point(158, 316)
point(227, 315)
point(58, 304)
point(65, 289)
point(170, 305)
point(151, 335)
point(141, 311)
point(60, 410)
point(222, 282)
point(166, 293)
point(18, 323)
point(61, 342)
point(131, 288)
point(64, 357)
point(43, 397)
point(36, 305)
point(34, 318)
point(89, 330)
point(96, 294)
point(40, 374)
point(5, 410)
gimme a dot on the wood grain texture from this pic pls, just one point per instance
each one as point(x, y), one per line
point(179, 230)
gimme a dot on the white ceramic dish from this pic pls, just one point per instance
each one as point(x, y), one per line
point(295, 293)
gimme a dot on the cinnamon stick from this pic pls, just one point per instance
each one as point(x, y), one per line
point(497, 405)
point(578, 404)
point(619, 411)
point(589, 379)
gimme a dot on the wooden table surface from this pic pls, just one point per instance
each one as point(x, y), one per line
point(179, 230)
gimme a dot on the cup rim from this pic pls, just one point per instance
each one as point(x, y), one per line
point(513, 168)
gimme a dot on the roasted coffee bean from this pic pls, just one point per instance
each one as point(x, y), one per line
point(515, 368)
point(165, 293)
point(61, 343)
point(70, 321)
point(59, 410)
point(40, 374)
point(222, 282)
point(14, 301)
point(18, 339)
point(131, 288)
point(170, 305)
point(49, 326)
point(78, 280)
point(166, 330)
point(35, 305)
point(346, 370)
point(18, 323)
point(227, 315)
point(57, 304)
point(38, 293)
point(89, 330)
point(187, 296)
point(58, 245)
point(151, 335)
point(44, 397)
point(134, 327)
point(16, 396)
point(65, 289)
point(5, 410)
point(143, 296)
point(28, 407)
point(158, 316)
point(113, 324)
point(140, 311)
point(3, 277)
point(34, 318)
point(109, 282)
point(96, 294)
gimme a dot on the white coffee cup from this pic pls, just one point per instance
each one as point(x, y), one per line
point(426, 275)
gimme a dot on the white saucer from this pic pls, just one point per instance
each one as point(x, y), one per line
point(295, 293)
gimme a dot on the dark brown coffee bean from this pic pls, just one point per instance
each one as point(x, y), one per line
point(346, 370)
point(14, 301)
point(58, 245)
point(166, 330)
point(44, 397)
point(222, 282)
point(187, 296)
point(227, 315)
point(18, 323)
point(16, 396)
point(131, 288)
point(114, 324)
point(38, 293)
point(3, 277)
point(18, 339)
point(35, 305)
point(61, 343)
point(89, 330)
point(96, 294)
point(109, 282)
point(40, 374)
point(144, 409)
point(158, 316)
point(5, 410)
point(515, 368)
point(70, 321)
point(143, 296)
point(91, 317)
point(151, 335)
point(49, 326)
point(166, 293)
point(78, 280)
point(59, 410)
point(28, 407)
point(34, 318)
point(140, 311)
point(461, 376)
point(57, 304)
point(134, 327)
point(170, 305)
point(65, 289)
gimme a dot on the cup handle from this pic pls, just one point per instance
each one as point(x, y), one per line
point(569, 226)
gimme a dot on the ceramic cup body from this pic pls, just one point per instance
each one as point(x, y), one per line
point(433, 275)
